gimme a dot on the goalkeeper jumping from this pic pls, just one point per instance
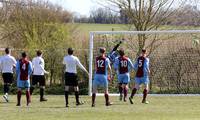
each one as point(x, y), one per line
point(114, 53)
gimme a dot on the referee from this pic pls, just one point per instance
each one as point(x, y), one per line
point(38, 74)
point(71, 62)
point(7, 64)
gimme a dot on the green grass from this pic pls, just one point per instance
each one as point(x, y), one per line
point(160, 108)
point(86, 28)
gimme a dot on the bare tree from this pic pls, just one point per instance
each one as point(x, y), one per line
point(143, 15)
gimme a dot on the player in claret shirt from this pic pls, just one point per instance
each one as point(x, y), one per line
point(123, 66)
point(101, 76)
point(141, 67)
point(23, 71)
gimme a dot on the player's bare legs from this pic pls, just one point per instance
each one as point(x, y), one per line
point(145, 92)
point(137, 87)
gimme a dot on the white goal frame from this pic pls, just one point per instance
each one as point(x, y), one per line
point(91, 42)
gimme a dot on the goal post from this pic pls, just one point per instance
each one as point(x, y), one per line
point(94, 34)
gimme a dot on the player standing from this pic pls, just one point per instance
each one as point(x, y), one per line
point(123, 66)
point(7, 64)
point(101, 76)
point(38, 75)
point(23, 71)
point(141, 67)
point(71, 62)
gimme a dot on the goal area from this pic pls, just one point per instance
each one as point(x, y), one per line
point(174, 57)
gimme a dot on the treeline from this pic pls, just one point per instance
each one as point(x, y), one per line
point(187, 15)
point(29, 25)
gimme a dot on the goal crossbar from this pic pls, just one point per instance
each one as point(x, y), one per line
point(144, 32)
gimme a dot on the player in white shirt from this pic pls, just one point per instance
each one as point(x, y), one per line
point(7, 64)
point(38, 75)
point(71, 62)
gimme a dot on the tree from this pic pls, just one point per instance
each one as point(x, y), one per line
point(104, 16)
point(143, 15)
point(36, 25)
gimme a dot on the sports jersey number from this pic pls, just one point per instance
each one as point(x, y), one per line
point(124, 63)
point(140, 63)
point(24, 66)
point(100, 63)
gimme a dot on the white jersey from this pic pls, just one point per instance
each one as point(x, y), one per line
point(6, 63)
point(38, 66)
point(71, 62)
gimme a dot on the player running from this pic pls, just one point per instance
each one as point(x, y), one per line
point(101, 75)
point(141, 67)
point(123, 66)
point(71, 62)
point(7, 64)
point(23, 71)
point(38, 75)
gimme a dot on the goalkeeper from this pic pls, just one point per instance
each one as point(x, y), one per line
point(114, 53)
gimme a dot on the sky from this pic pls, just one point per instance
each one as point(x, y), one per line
point(79, 6)
point(83, 7)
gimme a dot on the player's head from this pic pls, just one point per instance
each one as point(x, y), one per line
point(121, 52)
point(102, 50)
point(39, 53)
point(7, 50)
point(70, 51)
point(24, 55)
point(144, 51)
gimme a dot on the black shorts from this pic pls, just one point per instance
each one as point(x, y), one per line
point(71, 79)
point(7, 78)
point(38, 79)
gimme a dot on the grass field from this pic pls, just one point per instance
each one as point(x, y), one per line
point(160, 108)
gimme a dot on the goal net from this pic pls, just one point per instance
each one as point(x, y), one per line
point(174, 57)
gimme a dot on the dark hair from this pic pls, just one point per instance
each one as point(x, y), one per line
point(144, 51)
point(7, 50)
point(24, 54)
point(70, 51)
point(121, 52)
point(102, 50)
point(39, 53)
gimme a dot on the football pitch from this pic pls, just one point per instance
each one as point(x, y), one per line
point(160, 108)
